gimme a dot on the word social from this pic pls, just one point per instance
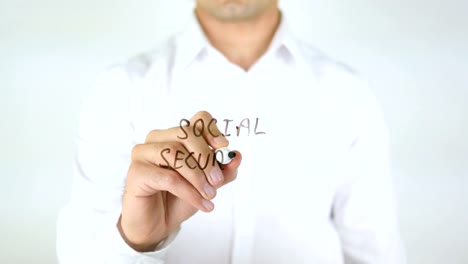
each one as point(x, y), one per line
point(198, 128)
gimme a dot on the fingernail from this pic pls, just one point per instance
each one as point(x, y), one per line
point(221, 140)
point(209, 190)
point(216, 175)
point(208, 205)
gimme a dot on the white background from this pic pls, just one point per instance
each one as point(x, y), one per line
point(414, 52)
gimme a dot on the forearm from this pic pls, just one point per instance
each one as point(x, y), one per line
point(85, 235)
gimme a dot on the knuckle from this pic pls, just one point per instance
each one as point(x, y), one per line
point(170, 179)
point(136, 150)
point(194, 194)
point(197, 178)
point(155, 181)
point(134, 170)
point(173, 146)
point(205, 115)
point(191, 131)
point(152, 135)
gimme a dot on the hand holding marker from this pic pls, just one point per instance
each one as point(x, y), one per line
point(171, 177)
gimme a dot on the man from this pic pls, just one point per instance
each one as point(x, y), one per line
point(313, 186)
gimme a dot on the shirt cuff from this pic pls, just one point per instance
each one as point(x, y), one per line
point(112, 248)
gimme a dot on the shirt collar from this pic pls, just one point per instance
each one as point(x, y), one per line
point(284, 40)
point(192, 42)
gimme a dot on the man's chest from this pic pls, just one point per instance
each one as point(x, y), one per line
point(293, 139)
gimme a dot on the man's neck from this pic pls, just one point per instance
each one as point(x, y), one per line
point(242, 43)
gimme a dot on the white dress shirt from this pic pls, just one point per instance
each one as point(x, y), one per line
point(315, 188)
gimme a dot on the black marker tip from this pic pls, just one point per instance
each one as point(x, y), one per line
point(231, 154)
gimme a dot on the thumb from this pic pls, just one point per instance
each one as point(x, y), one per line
point(230, 170)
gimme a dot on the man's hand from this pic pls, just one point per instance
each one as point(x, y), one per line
point(158, 198)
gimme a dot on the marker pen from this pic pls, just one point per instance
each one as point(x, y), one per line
point(224, 155)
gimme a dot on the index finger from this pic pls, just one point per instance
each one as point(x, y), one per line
point(206, 126)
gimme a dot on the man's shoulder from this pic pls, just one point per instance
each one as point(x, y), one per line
point(333, 75)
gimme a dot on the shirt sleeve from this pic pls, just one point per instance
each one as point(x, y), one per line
point(364, 208)
point(87, 227)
